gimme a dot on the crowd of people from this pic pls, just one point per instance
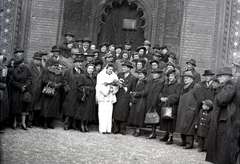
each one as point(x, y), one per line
point(115, 86)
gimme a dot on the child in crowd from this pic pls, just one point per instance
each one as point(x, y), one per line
point(203, 124)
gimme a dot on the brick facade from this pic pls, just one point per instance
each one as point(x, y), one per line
point(45, 16)
point(197, 33)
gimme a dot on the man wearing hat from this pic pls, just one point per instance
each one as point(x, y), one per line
point(88, 59)
point(128, 46)
point(156, 56)
point(156, 48)
point(222, 147)
point(165, 53)
point(107, 59)
point(148, 53)
point(118, 51)
point(189, 105)
point(36, 70)
point(67, 45)
point(79, 43)
point(57, 57)
point(191, 64)
point(138, 64)
point(86, 45)
point(206, 85)
point(121, 108)
point(71, 91)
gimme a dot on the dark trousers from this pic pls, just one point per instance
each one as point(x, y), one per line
point(202, 143)
point(69, 121)
point(119, 126)
point(34, 118)
point(188, 139)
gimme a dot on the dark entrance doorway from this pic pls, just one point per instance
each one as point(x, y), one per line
point(115, 31)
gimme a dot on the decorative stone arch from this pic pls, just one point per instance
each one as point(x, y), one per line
point(98, 9)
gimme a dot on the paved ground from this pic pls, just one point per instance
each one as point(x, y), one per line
point(54, 146)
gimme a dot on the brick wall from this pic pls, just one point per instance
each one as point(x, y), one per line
point(197, 33)
point(44, 25)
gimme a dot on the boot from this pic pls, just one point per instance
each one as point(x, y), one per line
point(170, 141)
point(165, 138)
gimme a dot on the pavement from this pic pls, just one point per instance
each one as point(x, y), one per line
point(57, 146)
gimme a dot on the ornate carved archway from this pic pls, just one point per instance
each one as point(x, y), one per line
point(98, 11)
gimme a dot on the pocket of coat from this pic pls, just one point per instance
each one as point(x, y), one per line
point(222, 126)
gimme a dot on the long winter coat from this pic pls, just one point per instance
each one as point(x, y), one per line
point(86, 109)
point(19, 76)
point(70, 86)
point(219, 144)
point(36, 87)
point(189, 105)
point(4, 105)
point(138, 108)
point(208, 93)
point(121, 107)
point(51, 105)
point(172, 91)
point(203, 122)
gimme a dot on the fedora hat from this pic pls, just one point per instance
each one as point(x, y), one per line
point(141, 47)
point(143, 70)
point(18, 49)
point(157, 71)
point(90, 53)
point(162, 47)
point(87, 39)
point(55, 49)
point(118, 46)
point(172, 55)
point(147, 42)
point(192, 61)
point(69, 33)
point(43, 52)
point(157, 54)
point(128, 42)
point(128, 64)
point(236, 61)
point(154, 61)
point(37, 55)
point(188, 73)
point(79, 39)
point(140, 60)
point(103, 44)
point(156, 46)
point(225, 71)
point(208, 73)
point(170, 72)
point(78, 59)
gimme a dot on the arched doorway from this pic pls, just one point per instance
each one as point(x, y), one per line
point(121, 21)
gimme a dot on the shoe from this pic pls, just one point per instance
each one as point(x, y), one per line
point(137, 134)
point(181, 144)
point(45, 126)
point(123, 132)
point(108, 133)
point(202, 150)
point(104, 133)
point(14, 127)
point(151, 136)
point(86, 129)
point(165, 138)
point(24, 127)
point(65, 128)
point(134, 133)
point(1, 131)
point(188, 147)
point(170, 141)
point(82, 129)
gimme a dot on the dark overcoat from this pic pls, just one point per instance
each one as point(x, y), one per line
point(189, 105)
point(219, 144)
point(70, 87)
point(4, 105)
point(172, 91)
point(19, 76)
point(208, 93)
point(65, 50)
point(51, 105)
point(121, 107)
point(203, 122)
point(36, 87)
point(138, 108)
point(86, 109)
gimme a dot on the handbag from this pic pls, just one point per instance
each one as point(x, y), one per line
point(166, 111)
point(48, 90)
point(151, 117)
point(27, 97)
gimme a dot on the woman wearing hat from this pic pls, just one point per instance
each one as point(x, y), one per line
point(70, 89)
point(20, 82)
point(153, 89)
point(221, 148)
point(170, 96)
point(4, 106)
point(189, 104)
point(103, 50)
point(138, 64)
point(138, 102)
point(51, 104)
point(86, 97)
